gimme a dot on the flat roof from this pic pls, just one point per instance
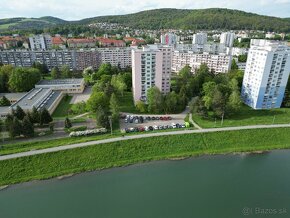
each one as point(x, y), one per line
point(32, 98)
point(13, 95)
point(61, 82)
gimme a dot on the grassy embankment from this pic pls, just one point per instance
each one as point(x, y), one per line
point(247, 116)
point(62, 109)
point(50, 165)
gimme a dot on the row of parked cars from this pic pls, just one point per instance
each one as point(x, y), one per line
point(156, 127)
point(142, 119)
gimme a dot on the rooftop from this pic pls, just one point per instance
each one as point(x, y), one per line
point(61, 82)
point(13, 95)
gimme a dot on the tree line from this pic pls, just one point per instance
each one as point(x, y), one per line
point(21, 123)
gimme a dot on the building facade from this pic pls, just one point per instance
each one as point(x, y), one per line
point(227, 38)
point(218, 63)
point(119, 57)
point(40, 42)
point(151, 66)
point(199, 38)
point(266, 74)
point(169, 39)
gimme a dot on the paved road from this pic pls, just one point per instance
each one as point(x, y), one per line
point(129, 137)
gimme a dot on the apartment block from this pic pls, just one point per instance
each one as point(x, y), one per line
point(199, 38)
point(227, 38)
point(218, 63)
point(151, 66)
point(169, 39)
point(119, 57)
point(266, 74)
point(40, 42)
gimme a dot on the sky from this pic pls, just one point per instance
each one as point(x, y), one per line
point(79, 9)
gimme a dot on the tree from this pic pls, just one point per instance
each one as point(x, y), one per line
point(141, 106)
point(171, 102)
point(4, 102)
point(23, 79)
point(234, 65)
point(197, 106)
point(67, 123)
point(35, 116)
point(27, 127)
point(219, 103)
point(55, 73)
point(41, 67)
point(101, 118)
point(114, 107)
point(208, 93)
point(96, 100)
point(19, 113)
point(65, 72)
point(14, 128)
point(118, 83)
point(5, 72)
point(45, 117)
point(235, 102)
point(155, 100)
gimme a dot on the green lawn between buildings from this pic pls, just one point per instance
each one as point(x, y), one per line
point(247, 116)
point(103, 156)
point(62, 109)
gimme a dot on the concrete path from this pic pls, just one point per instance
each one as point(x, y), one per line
point(129, 137)
point(194, 123)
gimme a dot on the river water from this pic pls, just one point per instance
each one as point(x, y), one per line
point(229, 186)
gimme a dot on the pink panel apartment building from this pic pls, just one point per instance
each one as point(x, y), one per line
point(151, 66)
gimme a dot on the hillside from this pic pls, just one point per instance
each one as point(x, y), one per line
point(197, 19)
point(22, 23)
point(214, 18)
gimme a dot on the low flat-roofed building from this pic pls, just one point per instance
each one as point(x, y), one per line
point(4, 111)
point(13, 97)
point(65, 85)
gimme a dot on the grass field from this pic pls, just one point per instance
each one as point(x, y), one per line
point(62, 109)
point(103, 156)
point(247, 116)
point(127, 103)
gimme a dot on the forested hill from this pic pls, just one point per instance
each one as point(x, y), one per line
point(210, 19)
point(214, 18)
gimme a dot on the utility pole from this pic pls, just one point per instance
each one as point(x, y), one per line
point(110, 121)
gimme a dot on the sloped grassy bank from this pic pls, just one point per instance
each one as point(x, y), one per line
point(123, 153)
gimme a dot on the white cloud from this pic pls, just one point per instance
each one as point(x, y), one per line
point(77, 9)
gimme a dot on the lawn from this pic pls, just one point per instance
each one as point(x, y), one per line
point(62, 109)
point(122, 153)
point(247, 116)
point(127, 103)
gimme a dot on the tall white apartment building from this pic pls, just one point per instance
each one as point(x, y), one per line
point(218, 63)
point(168, 39)
point(151, 66)
point(40, 42)
point(199, 38)
point(227, 38)
point(266, 74)
point(120, 57)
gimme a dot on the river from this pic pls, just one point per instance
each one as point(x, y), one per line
point(222, 186)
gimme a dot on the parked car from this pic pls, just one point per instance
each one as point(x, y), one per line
point(151, 128)
point(173, 125)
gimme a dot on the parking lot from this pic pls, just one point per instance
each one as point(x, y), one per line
point(157, 122)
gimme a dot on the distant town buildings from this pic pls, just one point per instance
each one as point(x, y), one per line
point(40, 42)
point(266, 74)
point(81, 43)
point(105, 42)
point(199, 38)
point(151, 66)
point(169, 39)
point(227, 38)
